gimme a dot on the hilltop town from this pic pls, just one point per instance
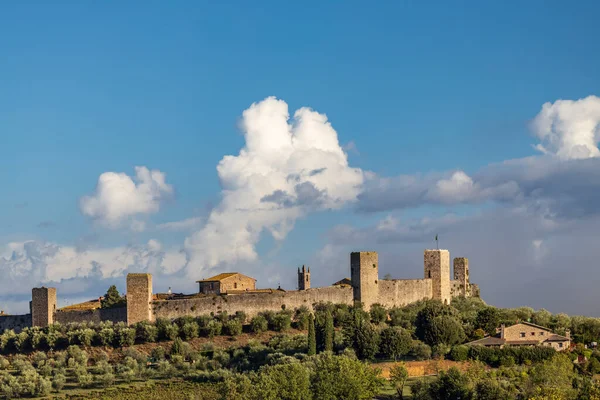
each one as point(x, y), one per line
point(233, 292)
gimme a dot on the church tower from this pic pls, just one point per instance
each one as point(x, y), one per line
point(303, 278)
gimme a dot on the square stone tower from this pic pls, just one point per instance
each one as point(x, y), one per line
point(139, 298)
point(43, 306)
point(437, 268)
point(461, 273)
point(303, 278)
point(364, 272)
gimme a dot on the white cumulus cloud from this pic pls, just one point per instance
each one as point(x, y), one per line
point(286, 169)
point(119, 197)
point(569, 128)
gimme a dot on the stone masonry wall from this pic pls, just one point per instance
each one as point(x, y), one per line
point(139, 296)
point(251, 303)
point(400, 292)
point(95, 316)
point(437, 268)
point(531, 333)
point(364, 272)
point(43, 306)
point(14, 322)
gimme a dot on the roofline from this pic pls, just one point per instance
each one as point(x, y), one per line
point(219, 280)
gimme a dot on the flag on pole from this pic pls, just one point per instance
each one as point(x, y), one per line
point(436, 237)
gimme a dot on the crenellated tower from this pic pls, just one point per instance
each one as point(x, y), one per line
point(461, 274)
point(304, 278)
point(364, 272)
point(437, 268)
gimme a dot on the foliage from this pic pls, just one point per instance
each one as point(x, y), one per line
point(233, 327)
point(112, 299)
point(378, 313)
point(259, 324)
point(488, 319)
point(312, 340)
point(395, 342)
point(398, 377)
point(437, 323)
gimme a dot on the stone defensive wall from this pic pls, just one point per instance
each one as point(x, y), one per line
point(251, 303)
point(400, 292)
point(98, 315)
point(365, 287)
point(15, 322)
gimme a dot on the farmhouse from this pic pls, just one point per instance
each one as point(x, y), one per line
point(525, 334)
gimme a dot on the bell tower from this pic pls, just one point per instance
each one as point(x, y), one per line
point(303, 278)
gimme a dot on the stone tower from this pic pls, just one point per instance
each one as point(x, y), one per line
point(461, 274)
point(364, 272)
point(437, 268)
point(139, 298)
point(43, 306)
point(303, 278)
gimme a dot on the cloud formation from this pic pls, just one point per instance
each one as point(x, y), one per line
point(286, 169)
point(74, 270)
point(118, 197)
point(569, 129)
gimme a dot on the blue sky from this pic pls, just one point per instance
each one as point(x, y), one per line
point(415, 88)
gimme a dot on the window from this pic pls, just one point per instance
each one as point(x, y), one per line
point(522, 334)
point(306, 278)
point(235, 285)
point(559, 344)
point(429, 274)
point(532, 333)
point(541, 333)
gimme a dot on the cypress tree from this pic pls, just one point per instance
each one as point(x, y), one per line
point(312, 340)
point(328, 332)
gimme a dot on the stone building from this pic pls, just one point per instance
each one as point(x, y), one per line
point(228, 282)
point(232, 292)
point(303, 278)
point(525, 334)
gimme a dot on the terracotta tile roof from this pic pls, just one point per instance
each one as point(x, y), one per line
point(488, 341)
point(87, 305)
point(556, 338)
point(224, 275)
point(345, 281)
point(533, 325)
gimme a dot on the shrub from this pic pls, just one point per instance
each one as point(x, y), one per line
point(301, 318)
point(459, 353)
point(58, 382)
point(240, 316)
point(146, 332)
point(126, 337)
point(259, 324)
point(378, 313)
point(106, 337)
point(281, 321)
point(420, 350)
point(158, 354)
point(233, 327)
point(341, 315)
point(180, 348)
point(189, 330)
point(395, 342)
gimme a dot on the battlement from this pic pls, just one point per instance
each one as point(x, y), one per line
point(43, 306)
point(365, 287)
